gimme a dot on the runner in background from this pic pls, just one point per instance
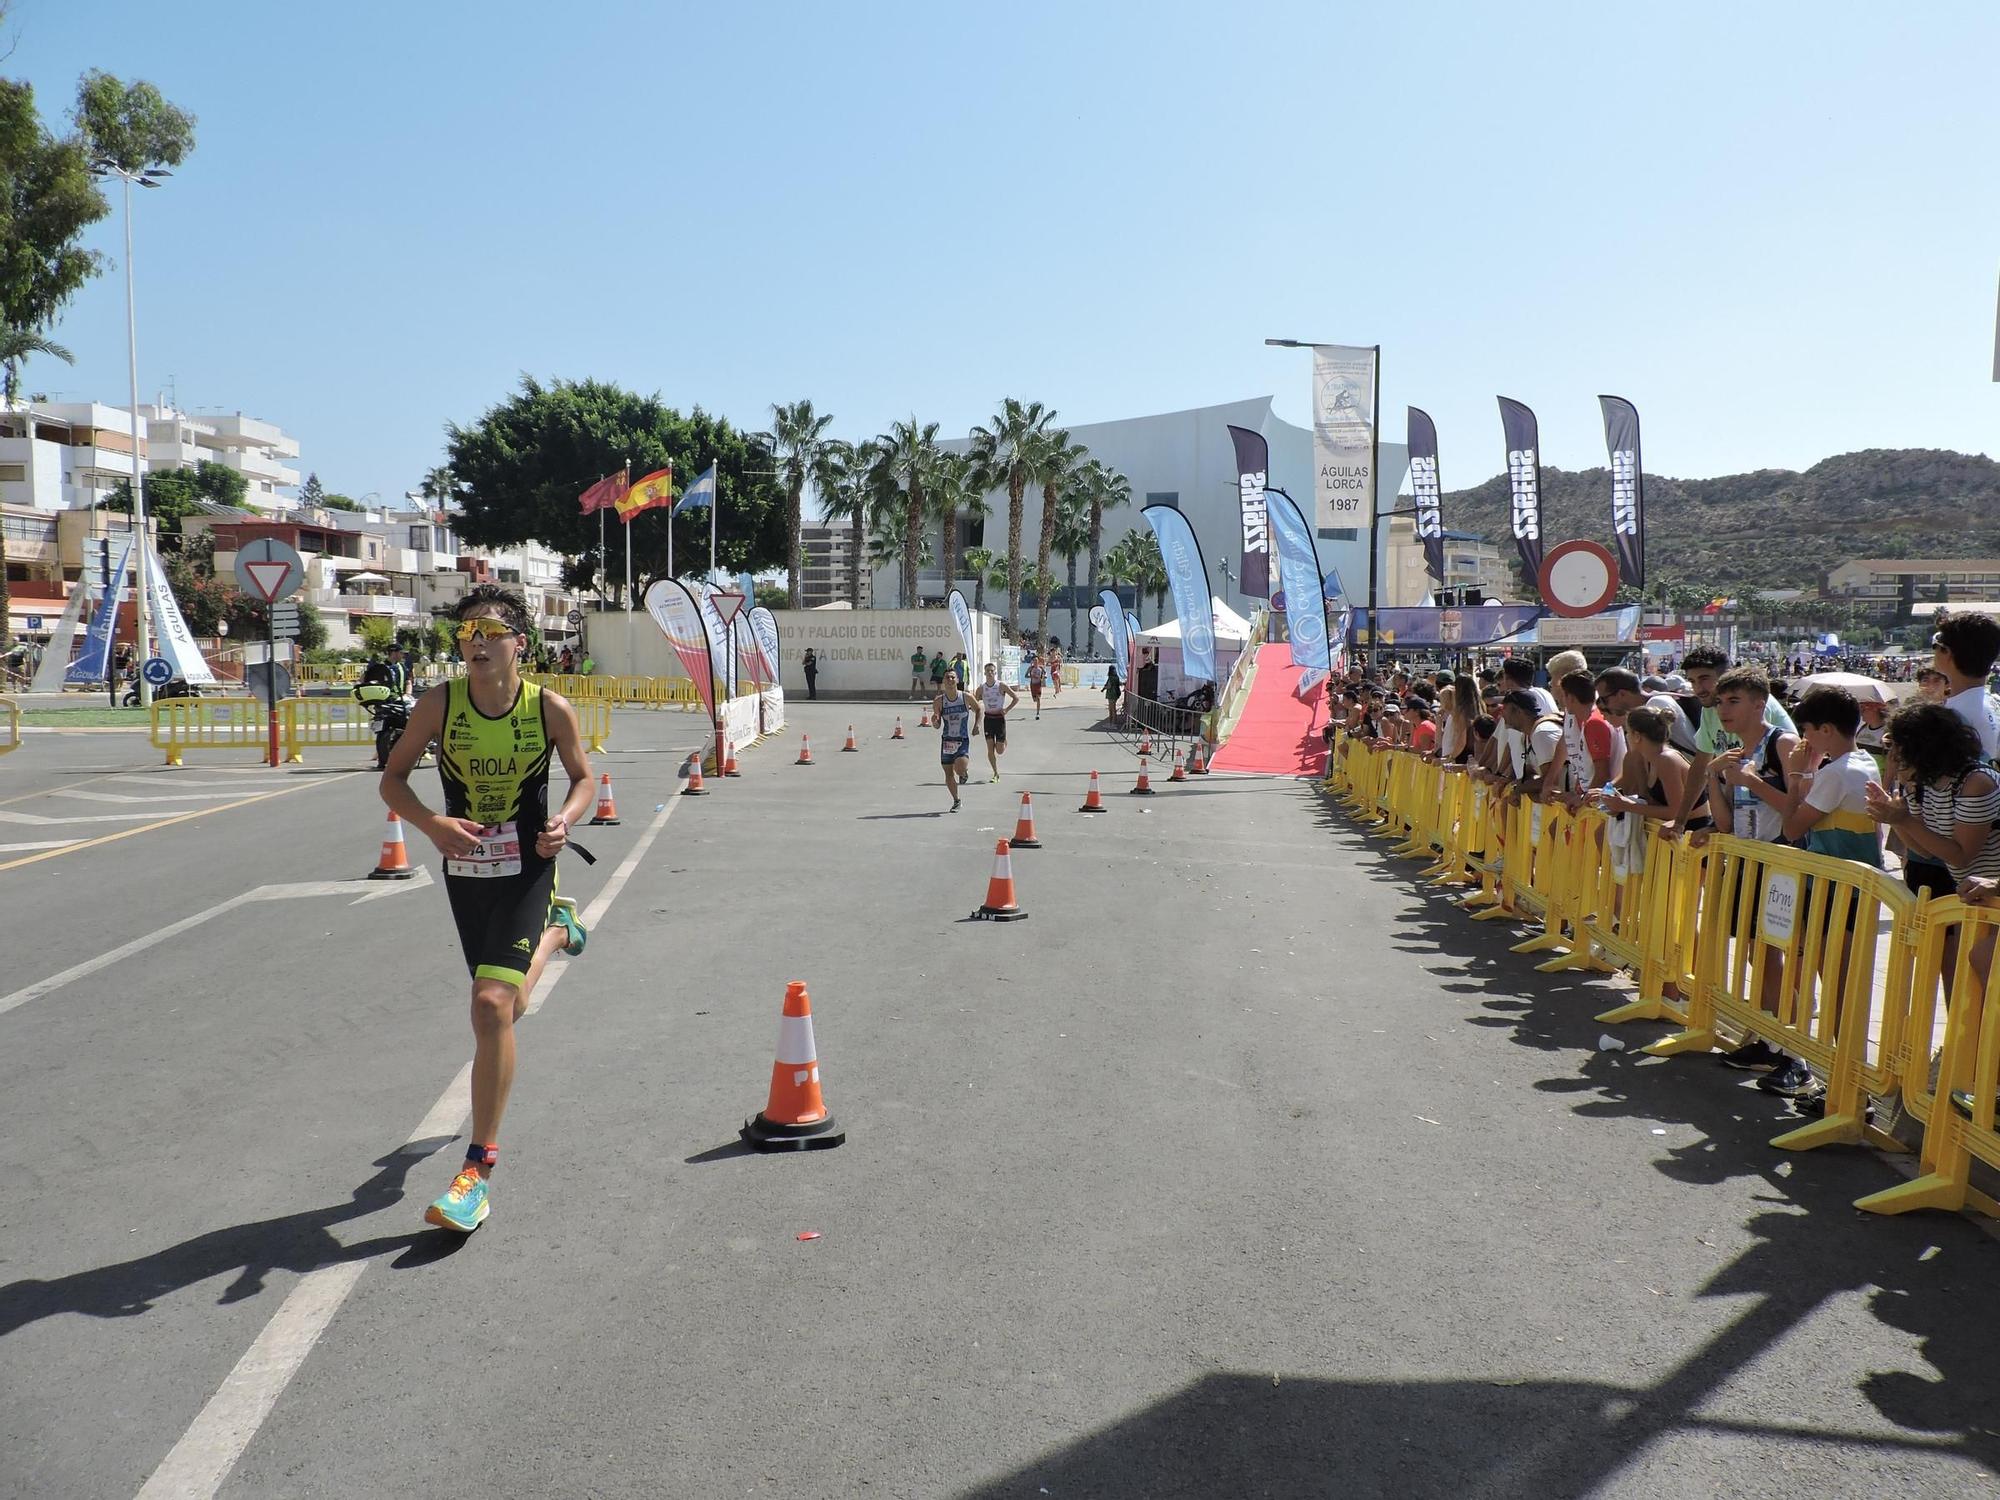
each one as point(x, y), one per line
point(995, 698)
point(1055, 667)
point(1036, 675)
point(952, 711)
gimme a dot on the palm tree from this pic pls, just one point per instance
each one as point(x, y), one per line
point(439, 485)
point(1053, 462)
point(846, 494)
point(953, 487)
point(978, 561)
point(16, 344)
point(909, 452)
point(999, 450)
point(1072, 536)
point(797, 440)
point(885, 536)
point(1144, 568)
point(1108, 490)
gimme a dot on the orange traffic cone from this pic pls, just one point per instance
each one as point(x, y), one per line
point(924, 717)
point(1000, 905)
point(1145, 786)
point(694, 787)
point(1180, 770)
point(1092, 802)
point(1145, 742)
point(899, 728)
point(795, 1117)
point(607, 810)
point(1198, 758)
point(729, 759)
point(805, 751)
point(1024, 826)
point(394, 863)
point(850, 745)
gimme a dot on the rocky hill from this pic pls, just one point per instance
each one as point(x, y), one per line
point(1774, 528)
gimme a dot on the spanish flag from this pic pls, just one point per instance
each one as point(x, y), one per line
point(657, 488)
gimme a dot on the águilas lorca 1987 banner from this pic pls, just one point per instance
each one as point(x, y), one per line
point(1524, 483)
point(1344, 436)
point(1628, 497)
point(1253, 467)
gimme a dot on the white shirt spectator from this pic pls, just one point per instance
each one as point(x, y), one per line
point(1975, 706)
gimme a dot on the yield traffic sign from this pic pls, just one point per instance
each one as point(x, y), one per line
point(269, 569)
point(728, 604)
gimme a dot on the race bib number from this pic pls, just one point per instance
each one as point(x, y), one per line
point(497, 853)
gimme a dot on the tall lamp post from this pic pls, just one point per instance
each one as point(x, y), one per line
point(102, 168)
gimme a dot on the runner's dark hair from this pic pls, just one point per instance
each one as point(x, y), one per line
point(513, 608)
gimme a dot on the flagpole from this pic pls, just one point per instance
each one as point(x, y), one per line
point(629, 664)
point(603, 562)
point(714, 504)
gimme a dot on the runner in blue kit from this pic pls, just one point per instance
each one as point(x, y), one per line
point(953, 709)
point(496, 736)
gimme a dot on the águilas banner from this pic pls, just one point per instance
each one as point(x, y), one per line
point(679, 617)
point(1424, 485)
point(1628, 496)
point(172, 639)
point(961, 616)
point(1304, 615)
point(718, 643)
point(93, 662)
point(1187, 576)
point(1100, 622)
point(764, 630)
point(1253, 469)
point(1524, 483)
point(1344, 436)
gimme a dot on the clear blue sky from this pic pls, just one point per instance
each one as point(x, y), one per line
point(1772, 226)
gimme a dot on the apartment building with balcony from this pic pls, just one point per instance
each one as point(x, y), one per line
point(1890, 588)
point(1470, 561)
point(832, 555)
point(70, 455)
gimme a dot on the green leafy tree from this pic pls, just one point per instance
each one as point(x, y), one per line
point(1001, 448)
point(520, 468)
point(377, 632)
point(772, 596)
point(172, 495)
point(342, 502)
point(131, 126)
point(799, 443)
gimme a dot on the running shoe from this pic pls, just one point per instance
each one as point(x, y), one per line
point(464, 1204)
point(562, 913)
point(995, 776)
point(1756, 1055)
point(1791, 1081)
point(954, 804)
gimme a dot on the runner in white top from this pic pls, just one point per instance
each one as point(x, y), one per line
point(995, 698)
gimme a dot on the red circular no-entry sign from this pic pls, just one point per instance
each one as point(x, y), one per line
point(1578, 578)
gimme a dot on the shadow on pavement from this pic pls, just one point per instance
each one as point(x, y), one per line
point(724, 1152)
point(298, 1243)
point(1928, 1275)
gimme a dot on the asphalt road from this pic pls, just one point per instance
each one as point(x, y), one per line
point(1240, 1168)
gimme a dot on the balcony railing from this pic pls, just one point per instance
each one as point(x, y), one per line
point(364, 604)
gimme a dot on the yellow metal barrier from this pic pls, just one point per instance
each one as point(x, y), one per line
point(593, 716)
point(1955, 945)
point(1669, 901)
point(183, 724)
point(645, 692)
point(322, 723)
point(1786, 948)
point(10, 725)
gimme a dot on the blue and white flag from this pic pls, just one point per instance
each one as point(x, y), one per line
point(1330, 588)
point(93, 662)
point(1297, 558)
point(961, 616)
point(1187, 577)
point(699, 494)
point(1114, 629)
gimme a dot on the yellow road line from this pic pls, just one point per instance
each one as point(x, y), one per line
point(111, 838)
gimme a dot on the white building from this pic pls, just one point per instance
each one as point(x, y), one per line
point(70, 455)
point(1184, 459)
point(1470, 561)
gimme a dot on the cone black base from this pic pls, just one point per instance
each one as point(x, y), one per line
point(768, 1135)
point(1024, 843)
point(1088, 808)
point(694, 791)
point(391, 874)
point(1141, 791)
point(998, 914)
point(605, 822)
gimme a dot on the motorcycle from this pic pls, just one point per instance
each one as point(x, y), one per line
point(176, 688)
point(390, 712)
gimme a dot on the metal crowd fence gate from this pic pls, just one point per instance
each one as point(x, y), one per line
point(10, 725)
point(183, 724)
point(1827, 959)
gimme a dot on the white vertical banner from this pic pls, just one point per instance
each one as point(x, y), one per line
point(172, 638)
point(1344, 436)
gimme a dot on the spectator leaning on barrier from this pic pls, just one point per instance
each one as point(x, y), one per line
point(1964, 650)
point(1587, 748)
point(1832, 814)
point(1423, 727)
point(1656, 770)
point(1535, 751)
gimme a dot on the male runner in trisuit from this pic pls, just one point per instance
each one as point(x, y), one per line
point(495, 736)
point(952, 709)
point(995, 698)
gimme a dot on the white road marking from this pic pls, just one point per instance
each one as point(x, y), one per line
point(129, 800)
point(366, 890)
point(44, 844)
point(196, 1466)
point(47, 820)
point(156, 778)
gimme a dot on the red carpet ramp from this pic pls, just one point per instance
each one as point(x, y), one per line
point(1277, 735)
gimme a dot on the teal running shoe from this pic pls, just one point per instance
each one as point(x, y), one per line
point(562, 913)
point(464, 1205)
